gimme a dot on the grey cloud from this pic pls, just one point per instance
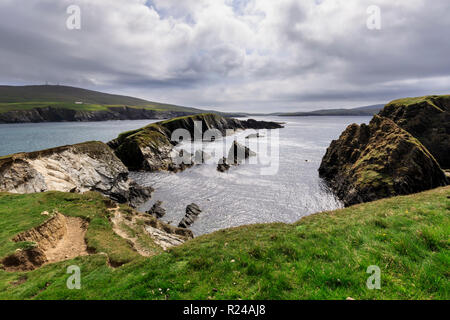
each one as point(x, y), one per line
point(259, 55)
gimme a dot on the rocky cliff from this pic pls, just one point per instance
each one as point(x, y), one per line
point(52, 114)
point(378, 160)
point(428, 120)
point(90, 166)
point(150, 148)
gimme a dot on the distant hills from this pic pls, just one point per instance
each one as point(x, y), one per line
point(70, 95)
point(361, 111)
point(49, 103)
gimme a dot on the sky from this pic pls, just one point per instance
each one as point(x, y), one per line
point(232, 55)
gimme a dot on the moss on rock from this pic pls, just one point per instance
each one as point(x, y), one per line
point(427, 119)
point(379, 160)
point(150, 147)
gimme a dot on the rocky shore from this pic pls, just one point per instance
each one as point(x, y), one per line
point(402, 151)
point(150, 148)
point(52, 114)
point(90, 166)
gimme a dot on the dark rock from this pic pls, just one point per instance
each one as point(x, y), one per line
point(239, 153)
point(428, 120)
point(223, 166)
point(183, 161)
point(192, 212)
point(254, 135)
point(138, 194)
point(254, 124)
point(157, 210)
point(150, 148)
point(378, 160)
point(201, 157)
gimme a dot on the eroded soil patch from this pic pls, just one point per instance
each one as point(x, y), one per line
point(59, 238)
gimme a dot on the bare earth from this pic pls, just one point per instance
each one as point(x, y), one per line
point(72, 244)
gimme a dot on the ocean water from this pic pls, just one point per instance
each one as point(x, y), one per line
point(280, 184)
point(261, 192)
point(26, 137)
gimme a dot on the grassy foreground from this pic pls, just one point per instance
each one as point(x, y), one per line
point(323, 256)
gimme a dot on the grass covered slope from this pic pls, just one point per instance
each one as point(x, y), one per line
point(323, 256)
point(21, 212)
point(44, 93)
point(26, 98)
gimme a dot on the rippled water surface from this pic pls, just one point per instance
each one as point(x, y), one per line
point(245, 196)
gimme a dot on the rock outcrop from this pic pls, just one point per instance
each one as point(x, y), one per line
point(192, 213)
point(378, 160)
point(90, 166)
point(428, 120)
point(223, 165)
point(239, 153)
point(157, 210)
point(254, 135)
point(57, 239)
point(151, 148)
point(162, 234)
point(53, 114)
point(201, 157)
point(236, 155)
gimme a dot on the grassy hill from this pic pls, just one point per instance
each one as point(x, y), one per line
point(322, 256)
point(28, 97)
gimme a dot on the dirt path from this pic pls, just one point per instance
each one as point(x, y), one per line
point(117, 222)
point(72, 244)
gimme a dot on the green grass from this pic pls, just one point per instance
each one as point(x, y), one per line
point(17, 98)
point(323, 256)
point(23, 212)
point(412, 101)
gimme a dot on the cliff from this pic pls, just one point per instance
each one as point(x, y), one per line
point(90, 166)
point(55, 114)
point(428, 120)
point(150, 148)
point(378, 160)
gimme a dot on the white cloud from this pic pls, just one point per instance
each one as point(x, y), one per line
point(232, 54)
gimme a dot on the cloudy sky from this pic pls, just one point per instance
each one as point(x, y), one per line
point(232, 55)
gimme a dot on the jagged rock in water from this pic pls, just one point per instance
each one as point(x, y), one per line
point(239, 153)
point(201, 157)
point(223, 166)
point(89, 166)
point(180, 160)
point(378, 160)
point(138, 194)
point(157, 210)
point(150, 148)
point(428, 120)
point(192, 212)
point(254, 135)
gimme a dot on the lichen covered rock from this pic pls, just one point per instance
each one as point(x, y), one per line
point(428, 120)
point(150, 148)
point(378, 160)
